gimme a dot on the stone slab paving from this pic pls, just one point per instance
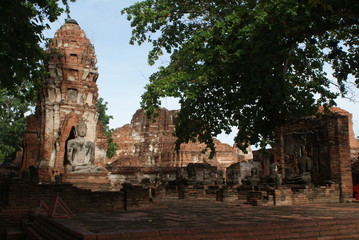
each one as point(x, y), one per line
point(187, 214)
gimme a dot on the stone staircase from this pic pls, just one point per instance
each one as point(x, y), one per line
point(44, 228)
point(12, 215)
point(15, 233)
point(47, 228)
point(10, 221)
point(326, 229)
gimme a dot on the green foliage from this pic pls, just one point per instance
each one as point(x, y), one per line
point(12, 122)
point(101, 106)
point(22, 23)
point(21, 61)
point(112, 147)
point(249, 64)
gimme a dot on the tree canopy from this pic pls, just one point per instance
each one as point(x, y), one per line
point(21, 31)
point(21, 64)
point(250, 64)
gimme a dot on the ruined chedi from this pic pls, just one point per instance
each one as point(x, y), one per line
point(147, 143)
point(68, 96)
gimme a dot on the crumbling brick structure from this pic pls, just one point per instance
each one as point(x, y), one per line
point(325, 139)
point(68, 95)
point(147, 143)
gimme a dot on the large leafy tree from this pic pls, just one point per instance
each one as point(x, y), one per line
point(21, 63)
point(21, 31)
point(249, 64)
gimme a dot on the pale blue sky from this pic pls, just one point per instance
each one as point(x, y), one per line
point(123, 67)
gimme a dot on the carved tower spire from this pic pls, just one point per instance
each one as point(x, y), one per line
point(68, 95)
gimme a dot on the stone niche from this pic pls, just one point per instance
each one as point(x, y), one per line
point(325, 139)
point(67, 96)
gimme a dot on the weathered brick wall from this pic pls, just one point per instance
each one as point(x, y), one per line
point(354, 158)
point(286, 196)
point(96, 182)
point(77, 199)
point(338, 131)
point(265, 159)
point(328, 145)
point(283, 196)
point(191, 192)
point(134, 175)
point(136, 198)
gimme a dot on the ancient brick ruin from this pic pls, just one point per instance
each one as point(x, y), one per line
point(328, 140)
point(66, 118)
point(146, 150)
point(147, 143)
point(68, 95)
point(314, 159)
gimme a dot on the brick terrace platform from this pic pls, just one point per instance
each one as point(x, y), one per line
point(189, 219)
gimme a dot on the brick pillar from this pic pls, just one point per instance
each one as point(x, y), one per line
point(339, 152)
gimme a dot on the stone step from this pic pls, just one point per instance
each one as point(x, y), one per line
point(11, 216)
point(32, 234)
point(14, 209)
point(47, 231)
point(325, 229)
point(319, 230)
point(46, 228)
point(15, 233)
point(348, 228)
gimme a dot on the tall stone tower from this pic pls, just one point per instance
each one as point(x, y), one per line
point(68, 95)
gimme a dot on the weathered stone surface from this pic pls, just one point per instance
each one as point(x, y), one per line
point(68, 95)
point(144, 143)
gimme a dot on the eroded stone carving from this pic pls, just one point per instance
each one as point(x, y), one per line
point(274, 178)
point(252, 180)
point(81, 152)
point(304, 177)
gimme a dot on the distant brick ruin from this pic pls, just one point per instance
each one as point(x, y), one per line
point(147, 143)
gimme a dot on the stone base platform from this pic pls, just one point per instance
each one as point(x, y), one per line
point(90, 181)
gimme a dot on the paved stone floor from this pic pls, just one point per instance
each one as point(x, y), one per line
point(180, 214)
